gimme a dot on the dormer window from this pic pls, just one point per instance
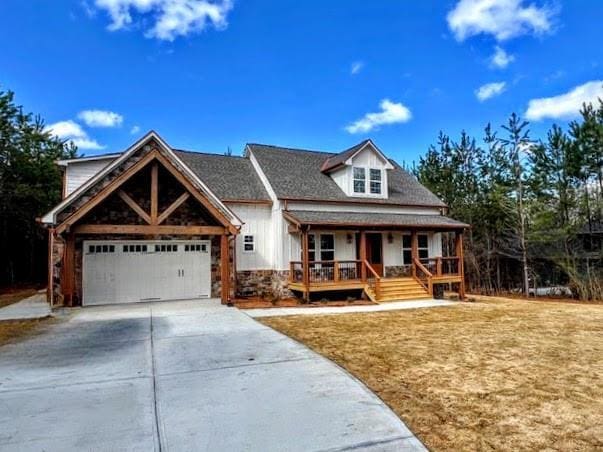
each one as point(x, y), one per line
point(375, 181)
point(361, 171)
point(359, 180)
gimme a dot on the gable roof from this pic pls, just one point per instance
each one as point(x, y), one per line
point(51, 217)
point(337, 160)
point(297, 174)
point(230, 178)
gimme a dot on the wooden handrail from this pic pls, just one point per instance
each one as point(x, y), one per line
point(372, 270)
point(377, 278)
point(428, 274)
point(421, 267)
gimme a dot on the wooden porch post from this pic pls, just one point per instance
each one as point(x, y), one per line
point(154, 193)
point(224, 269)
point(363, 254)
point(50, 289)
point(458, 245)
point(305, 264)
point(414, 244)
point(69, 270)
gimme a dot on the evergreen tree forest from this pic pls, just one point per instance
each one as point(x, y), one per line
point(535, 205)
point(30, 185)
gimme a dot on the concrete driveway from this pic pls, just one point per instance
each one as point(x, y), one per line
point(183, 376)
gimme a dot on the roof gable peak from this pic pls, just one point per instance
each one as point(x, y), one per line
point(345, 157)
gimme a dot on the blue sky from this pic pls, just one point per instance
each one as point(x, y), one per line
point(208, 75)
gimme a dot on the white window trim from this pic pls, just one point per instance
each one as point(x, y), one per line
point(370, 180)
point(252, 243)
point(367, 183)
point(318, 249)
point(354, 168)
point(418, 247)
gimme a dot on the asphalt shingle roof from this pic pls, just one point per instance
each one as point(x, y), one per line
point(228, 177)
point(372, 219)
point(296, 174)
point(338, 159)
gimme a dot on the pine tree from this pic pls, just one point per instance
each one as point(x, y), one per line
point(30, 184)
point(517, 144)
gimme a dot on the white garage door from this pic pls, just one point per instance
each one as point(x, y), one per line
point(133, 271)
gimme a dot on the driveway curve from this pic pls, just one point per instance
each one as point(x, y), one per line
point(187, 375)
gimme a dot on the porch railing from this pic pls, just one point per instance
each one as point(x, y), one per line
point(424, 270)
point(442, 266)
point(423, 275)
point(326, 271)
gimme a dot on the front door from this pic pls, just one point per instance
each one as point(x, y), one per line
point(374, 251)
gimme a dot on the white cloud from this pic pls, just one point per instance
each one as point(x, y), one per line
point(500, 59)
point(503, 19)
point(72, 131)
point(87, 143)
point(134, 130)
point(356, 67)
point(490, 90)
point(391, 113)
point(172, 18)
point(567, 105)
point(66, 129)
point(100, 118)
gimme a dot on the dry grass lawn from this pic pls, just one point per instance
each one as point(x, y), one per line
point(15, 330)
point(497, 375)
point(13, 296)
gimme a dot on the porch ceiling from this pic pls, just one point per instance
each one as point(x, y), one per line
point(372, 220)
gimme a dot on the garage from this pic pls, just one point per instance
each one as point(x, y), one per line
point(136, 271)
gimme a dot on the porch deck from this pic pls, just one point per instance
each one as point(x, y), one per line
point(415, 282)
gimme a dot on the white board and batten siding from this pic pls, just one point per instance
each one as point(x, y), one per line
point(78, 173)
point(368, 158)
point(257, 222)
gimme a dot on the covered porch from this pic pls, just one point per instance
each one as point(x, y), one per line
point(388, 256)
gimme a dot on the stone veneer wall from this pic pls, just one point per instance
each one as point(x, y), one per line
point(56, 256)
point(270, 284)
point(397, 271)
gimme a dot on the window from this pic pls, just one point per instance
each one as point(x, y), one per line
point(407, 249)
point(248, 244)
point(375, 181)
point(166, 248)
point(196, 247)
point(311, 247)
point(359, 180)
point(325, 250)
point(422, 248)
point(135, 249)
point(327, 247)
point(97, 249)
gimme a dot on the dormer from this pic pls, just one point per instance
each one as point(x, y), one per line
point(360, 171)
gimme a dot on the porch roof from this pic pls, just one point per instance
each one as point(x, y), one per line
point(372, 220)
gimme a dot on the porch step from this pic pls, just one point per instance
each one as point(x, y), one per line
point(405, 297)
point(404, 285)
point(396, 289)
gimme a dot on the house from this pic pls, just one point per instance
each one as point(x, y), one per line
point(157, 223)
